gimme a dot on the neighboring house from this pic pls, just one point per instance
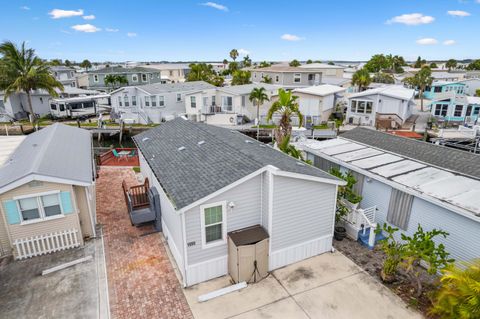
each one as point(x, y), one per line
point(213, 181)
point(47, 192)
point(134, 75)
point(171, 72)
point(153, 103)
point(64, 75)
point(287, 77)
point(447, 76)
point(440, 89)
point(318, 102)
point(457, 108)
point(472, 75)
point(16, 105)
point(339, 81)
point(326, 69)
point(227, 105)
point(410, 182)
point(471, 86)
point(390, 104)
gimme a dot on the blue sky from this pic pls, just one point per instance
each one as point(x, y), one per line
point(177, 30)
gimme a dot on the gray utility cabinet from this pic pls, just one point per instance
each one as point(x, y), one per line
point(248, 254)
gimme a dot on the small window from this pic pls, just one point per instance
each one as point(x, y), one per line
point(119, 101)
point(161, 101)
point(179, 97)
point(437, 89)
point(213, 100)
point(277, 78)
point(62, 107)
point(353, 106)
point(193, 102)
point(458, 110)
point(361, 107)
point(311, 77)
point(53, 106)
point(29, 208)
point(297, 78)
point(144, 77)
point(213, 223)
point(95, 78)
point(134, 78)
point(134, 100)
point(51, 205)
point(151, 75)
point(153, 99)
point(205, 101)
point(369, 108)
point(73, 84)
point(147, 100)
point(244, 100)
point(125, 98)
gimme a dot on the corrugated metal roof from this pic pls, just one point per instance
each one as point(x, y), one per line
point(419, 176)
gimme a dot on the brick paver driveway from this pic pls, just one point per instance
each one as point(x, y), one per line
point(141, 280)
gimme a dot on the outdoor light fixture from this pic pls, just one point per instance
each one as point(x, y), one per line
point(231, 205)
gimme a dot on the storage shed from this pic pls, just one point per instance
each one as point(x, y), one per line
point(248, 254)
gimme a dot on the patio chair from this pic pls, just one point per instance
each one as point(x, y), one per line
point(115, 153)
point(132, 154)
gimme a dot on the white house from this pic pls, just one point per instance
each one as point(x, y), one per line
point(227, 105)
point(471, 86)
point(391, 103)
point(410, 182)
point(153, 103)
point(16, 105)
point(318, 102)
point(213, 181)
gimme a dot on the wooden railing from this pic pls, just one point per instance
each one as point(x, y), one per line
point(138, 194)
point(107, 156)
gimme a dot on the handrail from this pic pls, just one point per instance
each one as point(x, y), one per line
point(365, 217)
point(138, 194)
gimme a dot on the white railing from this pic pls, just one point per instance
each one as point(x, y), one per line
point(365, 217)
point(47, 243)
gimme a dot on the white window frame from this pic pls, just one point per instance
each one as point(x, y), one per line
point(193, 102)
point(146, 77)
point(134, 100)
point(161, 101)
point(219, 242)
point(356, 106)
point(153, 100)
point(297, 76)
point(41, 211)
point(135, 78)
point(95, 78)
point(179, 97)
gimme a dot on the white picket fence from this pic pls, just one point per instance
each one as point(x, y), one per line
point(47, 243)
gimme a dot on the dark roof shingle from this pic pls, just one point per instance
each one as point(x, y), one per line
point(441, 156)
point(202, 168)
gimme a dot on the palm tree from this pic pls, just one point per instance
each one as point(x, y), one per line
point(24, 71)
point(289, 149)
point(122, 80)
point(267, 79)
point(294, 63)
point(241, 77)
point(421, 80)
point(362, 79)
point(247, 62)
point(86, 64)
point(110, 79)
point(234, 54)
point(459, 294)
point(286, 106)
point(451, 64)
point(258, 97)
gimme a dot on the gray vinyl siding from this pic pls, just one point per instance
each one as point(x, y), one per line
point(170, 216)
point(302, 211)
point(463, 243)
point(265, 203)
point(247, 200)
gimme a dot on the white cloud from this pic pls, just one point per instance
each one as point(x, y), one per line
point(243, 52)
point(24, 8)
point(449, 42)
point(131, 34)
point(291, 37)
point(89, 17)
point(427, 41)
point(215, 6)
point(458, 13)
point(88, 28)
point(58, 13)
point(111, 30)
point(412, 19)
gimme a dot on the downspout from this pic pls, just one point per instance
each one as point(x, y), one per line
point(185, 261)
point(90, 212)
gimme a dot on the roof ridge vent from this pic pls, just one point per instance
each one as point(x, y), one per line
point(201, 142)
point(182, 148)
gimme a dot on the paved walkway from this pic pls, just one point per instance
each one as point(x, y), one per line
point(142, 282)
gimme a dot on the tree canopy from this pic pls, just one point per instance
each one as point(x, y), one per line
point(241, 77)
point(234, 54)
point(388, 63)
point(294, 63)
point(451, 64)
point(475, 65)
point(204, 72)
point(362, 79)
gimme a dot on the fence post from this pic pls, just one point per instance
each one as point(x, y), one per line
point(371, 237)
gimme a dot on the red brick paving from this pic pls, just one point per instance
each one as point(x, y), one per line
point(141, 280)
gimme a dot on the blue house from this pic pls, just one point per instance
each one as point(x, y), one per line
point(439, 89)
point(457, 108)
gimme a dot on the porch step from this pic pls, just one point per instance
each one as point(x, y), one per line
point(363, 239)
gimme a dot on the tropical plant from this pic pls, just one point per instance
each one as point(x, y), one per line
point(21, 70)
point(294, 63)
point(115, 80)
point(286, 106)
point(204, 72)
point(86, 64)
point(477, 92)
point(451, 64)
point(234, 54)
point(419, 63)
point(258, 97)
point(309, 61)
point(459, 293)
point(362, 79)
point(345, 193)
point(232, 67)
point(68, 63)
point(247, 62)
point(422, 247)
point(420, 80)
point(225, 62)
point(433, 65)
point(267, 79)
point(393, 250)
point(475, 65)
point(241, 77)
point(377, 63)
point(55, 62)
point(289, 149)
point(381, 77)
point(331, 63)
point(264, 64)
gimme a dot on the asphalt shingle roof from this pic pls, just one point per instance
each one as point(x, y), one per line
point(441, 156)
point(202, 168)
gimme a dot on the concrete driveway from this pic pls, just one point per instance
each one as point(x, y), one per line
point(325, 286)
